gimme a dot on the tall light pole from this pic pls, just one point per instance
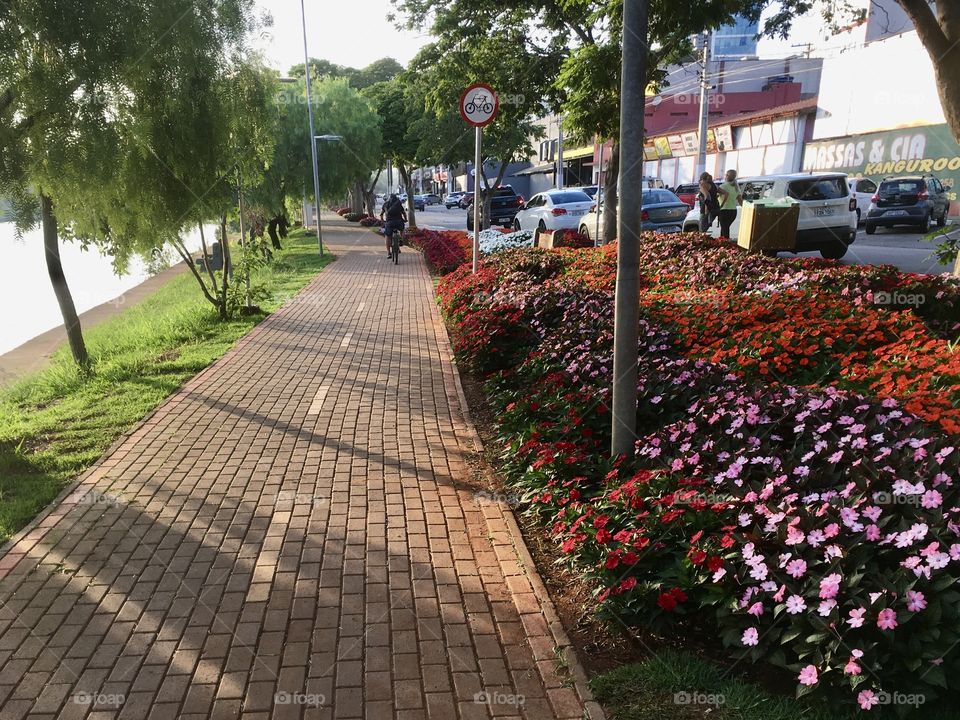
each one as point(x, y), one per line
point(704, 107)
point(313, 142)
point(633, 81)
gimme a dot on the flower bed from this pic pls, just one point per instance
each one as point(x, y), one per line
point(494, 241)
point(795, 485)
point(355, 217)
point(371, 221)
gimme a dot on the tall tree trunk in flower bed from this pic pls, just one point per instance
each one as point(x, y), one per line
point(408, 189)
point(610, 198)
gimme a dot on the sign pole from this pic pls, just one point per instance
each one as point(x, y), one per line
point(477, 213)
point(596, 235)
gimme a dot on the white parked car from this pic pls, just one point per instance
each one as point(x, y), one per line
point(828, 217)
point(863, 190)
point(553, 210)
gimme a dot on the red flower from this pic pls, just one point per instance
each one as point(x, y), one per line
point(629, 558)
point(601, 521)
point(613, 559)
point(569, 545)
point(628, 584)
point(604, 536)
point(667, 602)
point(697, 557)
point(714, 563)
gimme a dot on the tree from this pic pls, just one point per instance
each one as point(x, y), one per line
point(511, 62)
point(585, 83)
point(399, 105)
point(65, 67)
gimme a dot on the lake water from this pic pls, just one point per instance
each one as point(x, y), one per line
point(28, 306)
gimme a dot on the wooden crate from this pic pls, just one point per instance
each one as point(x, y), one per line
point(768, 227)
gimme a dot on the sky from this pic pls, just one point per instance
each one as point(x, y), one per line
point(346, 32)
point(357, 32)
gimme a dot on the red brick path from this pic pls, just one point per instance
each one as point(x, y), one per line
point(287, 537)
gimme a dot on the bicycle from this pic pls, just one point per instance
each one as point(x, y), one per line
point(395, 247)
point(479, 102)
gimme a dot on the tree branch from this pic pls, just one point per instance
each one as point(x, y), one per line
point(182, 252)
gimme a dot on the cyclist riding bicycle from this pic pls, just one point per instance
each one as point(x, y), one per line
point(396, 217)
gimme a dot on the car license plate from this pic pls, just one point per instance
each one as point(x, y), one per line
point(823, 211)
point(668, 229)
point(577, 213)
point(895, 213)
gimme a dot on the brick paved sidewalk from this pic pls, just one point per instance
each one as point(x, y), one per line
point(288, 536)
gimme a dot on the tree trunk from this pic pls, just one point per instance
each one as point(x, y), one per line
point(610, 200)
point(68, 311)
point(283, 225)
point(356, 197)
point(368, 196)
point(272, 232)
point(408, 188)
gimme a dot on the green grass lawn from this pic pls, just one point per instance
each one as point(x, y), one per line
point(58, 422)
point(679, 686)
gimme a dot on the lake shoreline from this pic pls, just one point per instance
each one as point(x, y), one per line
point(34, 354)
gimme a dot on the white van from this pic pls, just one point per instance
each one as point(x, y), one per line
point(828, 212)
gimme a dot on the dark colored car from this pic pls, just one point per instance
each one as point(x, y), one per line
point(432, 199)
point(419, 203)
point(453, 200)
point(466, 199)
point(662, 211)
point(688, 193)
point(918, 200)
point(504, 206)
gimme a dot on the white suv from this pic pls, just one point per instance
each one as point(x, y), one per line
point(828, 217)
point(862, 189)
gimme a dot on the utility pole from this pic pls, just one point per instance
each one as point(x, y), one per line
point(704, 107)
point(633, 82)
point(559, 152)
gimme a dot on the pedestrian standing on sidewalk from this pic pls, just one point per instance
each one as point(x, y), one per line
point(730, 200)
point(709, 203)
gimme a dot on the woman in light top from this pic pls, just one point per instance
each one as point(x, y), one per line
point(730, 200)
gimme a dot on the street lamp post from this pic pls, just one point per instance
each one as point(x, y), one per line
point(313, 142)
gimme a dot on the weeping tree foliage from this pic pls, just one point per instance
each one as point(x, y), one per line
point(72, 74)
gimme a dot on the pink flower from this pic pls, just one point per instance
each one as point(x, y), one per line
point(756, 609)
point(796, 568)
point(931, 499)
point(873, 533)
point(915, 601)
point(887, 619)
point(826, 607)
point(808, 676)
point(852, 667)
point(796, 604)
point(856, 617)
point(867, 699)
point(830, 586)
point(750, 637)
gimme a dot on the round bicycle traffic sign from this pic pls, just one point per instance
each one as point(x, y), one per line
point(479, 105)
